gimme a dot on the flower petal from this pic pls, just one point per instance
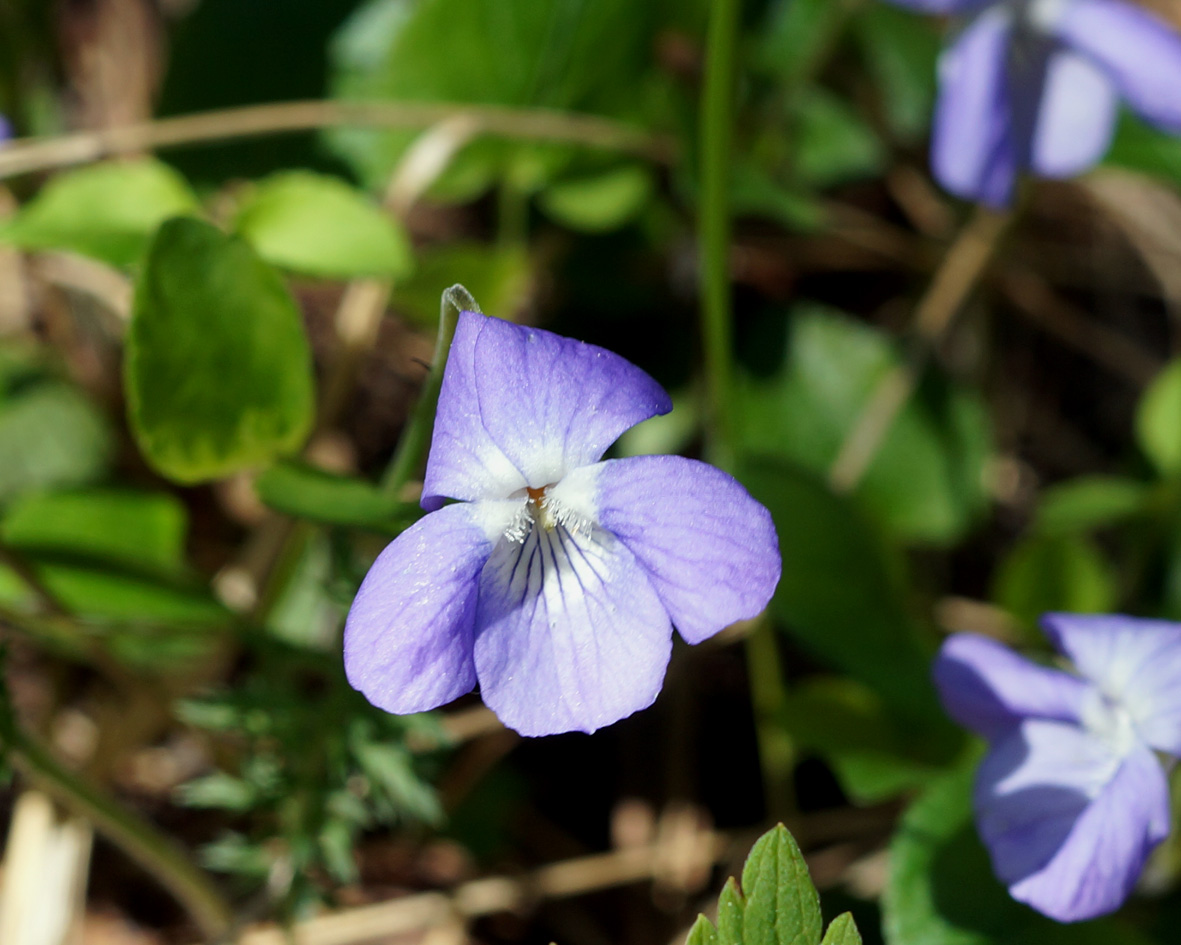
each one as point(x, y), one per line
point(408, 637)
point(1140, 52)
point(988, 688)
point(521, 406)
point(1076, 117)
point(1068, 824)
point(708, 547)
point(973, 150)
point(570, 634)
point(1134, 662)
point(941, 6)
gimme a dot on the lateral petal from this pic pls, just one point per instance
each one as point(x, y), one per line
point(988, 688)
point(974, 153)
point(408, 637)
point(570, 635)
point(1069, 824)
point(1140, 52)
point(1076, 116)
point(522, 406)
point(1132, 661)
point(709, 549)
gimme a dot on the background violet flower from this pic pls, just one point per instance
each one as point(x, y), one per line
point(1035, 85)
point(556, 581)
point(1071, 798)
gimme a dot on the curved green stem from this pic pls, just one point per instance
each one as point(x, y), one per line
point(416, 438)
point(154, 851)
point(767, 691)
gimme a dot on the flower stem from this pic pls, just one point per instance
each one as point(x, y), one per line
point(715, 144)
point(416, 438)
point(767, 692)
point(141, 841)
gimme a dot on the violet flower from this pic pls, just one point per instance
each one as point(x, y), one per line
point(1035, 85)
point(556, 580)
point(1071, 798)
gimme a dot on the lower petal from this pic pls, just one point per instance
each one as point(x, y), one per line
point(408, 637)
point(708, 547)
point(1068, 824)
point(1076, 116)
point(570, 634)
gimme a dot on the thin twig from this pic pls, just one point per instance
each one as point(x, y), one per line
point(961, 269)
point(537, 124)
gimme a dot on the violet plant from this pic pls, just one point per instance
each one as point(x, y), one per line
point(1036, 85)
point(556, 580)
point(1072, 797)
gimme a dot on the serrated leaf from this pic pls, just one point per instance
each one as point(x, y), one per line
point(218, 369)
point(702, 933)
point(782, 907)
point(304, 492)
point(1158, 420)
point(320, 226)
point(842, 931)
point(107, 211)
point(134, 528)
point(730, 909)
point(599, 203)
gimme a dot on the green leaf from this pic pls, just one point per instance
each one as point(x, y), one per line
point(50, 436)
point(796, 30)
point(599, 203)
point(500, 277)
point(107, 211)
point(941, 889)
point(566, 54)
point(834, 145)
point(220, 791)
point(848, 725)
point(843, 931)
point(839, 595)
point(702, 933)
point(1158, 420)
point(1055, 572)
point(926, 481)
point(320, 226)
point(124, 527)
point(901, 50)
point(103, 594)
point(782, 907)
point(218, 369)
point(1088, 503)
point(730, 909)
point(1140, 147)
point(304, 492)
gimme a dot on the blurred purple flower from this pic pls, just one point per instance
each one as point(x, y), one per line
point(1071, 799)
point(556, 581)
point(5, 130)
point(1035, 85)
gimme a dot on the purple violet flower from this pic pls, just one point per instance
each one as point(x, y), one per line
point(1071, 798)
point(1035, 85)
point(556, 580)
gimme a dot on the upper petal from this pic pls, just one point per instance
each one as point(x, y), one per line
point(942, 6)
point(709, 548)
point(408, 637)
point(1067, 823)
point(522, 406)
point(570, 635)
point(1076, 116)
point(1140, 52)
point(988, 688)
point(1134, 662)
point(974, 152)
